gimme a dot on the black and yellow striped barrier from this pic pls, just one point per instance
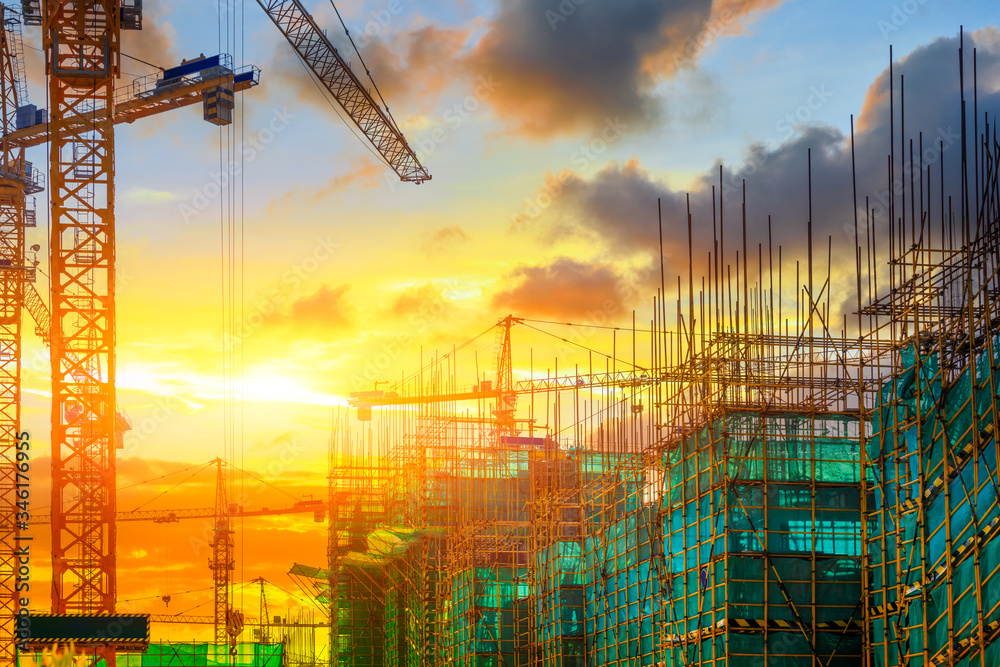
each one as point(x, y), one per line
point(960, 553)
point(937, 486)
point(126, 632)
point(755, 625)
point(952, 654)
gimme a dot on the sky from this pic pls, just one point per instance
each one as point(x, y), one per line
point(550, 129)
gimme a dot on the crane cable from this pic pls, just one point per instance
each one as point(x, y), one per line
point(156, 597)
point(187, 611)
point(263, 481)
point(160, 495)
point(140, 60)
point(324, 93)
point(378, 92)
point(147, 481)
point(589, 349)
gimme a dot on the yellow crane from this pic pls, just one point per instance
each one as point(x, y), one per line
point(81, 42)
point(83, 419)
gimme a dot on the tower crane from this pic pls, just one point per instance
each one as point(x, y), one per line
point(221, 562)
point(82, 581)
point(507, 389)
point(264, 625)
point(81, 41)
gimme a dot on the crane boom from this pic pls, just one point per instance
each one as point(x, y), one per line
point(613, 379)
point(312, 45)
point(209, 620)
point(144, 98)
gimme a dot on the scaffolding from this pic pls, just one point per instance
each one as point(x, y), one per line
point(764, 480)
point(934, 597)
point(762, 541)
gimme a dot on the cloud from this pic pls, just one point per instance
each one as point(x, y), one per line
point(326, 311)
point(730, 17)
point(426, 299)
point(412, 67)
point(564, 289)
point(567, 67)
point(365, 173)
point(555, 67)
point(155, 43)
point(443, 239)
point(616, 208)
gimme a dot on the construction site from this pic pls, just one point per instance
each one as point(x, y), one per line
point(756, 467)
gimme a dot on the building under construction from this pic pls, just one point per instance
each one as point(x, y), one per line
point(769, 484)
point(751, 480)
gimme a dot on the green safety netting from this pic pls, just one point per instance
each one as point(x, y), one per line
point(623, 590)
point(490, 609)
point(920, 416)
point(559, 604)
point(670, 564)
point(166, 654)
point(793, 649)
point(746, 531)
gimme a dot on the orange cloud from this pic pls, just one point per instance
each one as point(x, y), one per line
point(366, 173)
point(155, 43)
point(564, 289)
point(326, 311)
point(426, 299)
point(444, 239)
point(411, 68)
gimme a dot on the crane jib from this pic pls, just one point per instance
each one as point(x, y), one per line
point(325, 62)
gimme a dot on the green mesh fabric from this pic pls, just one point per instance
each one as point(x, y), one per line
point(934, 492)
point(166, 654)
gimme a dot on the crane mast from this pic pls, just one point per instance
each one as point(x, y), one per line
point(222, 563)
point(82, 49)
point(264, 622)
point(330, 68)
